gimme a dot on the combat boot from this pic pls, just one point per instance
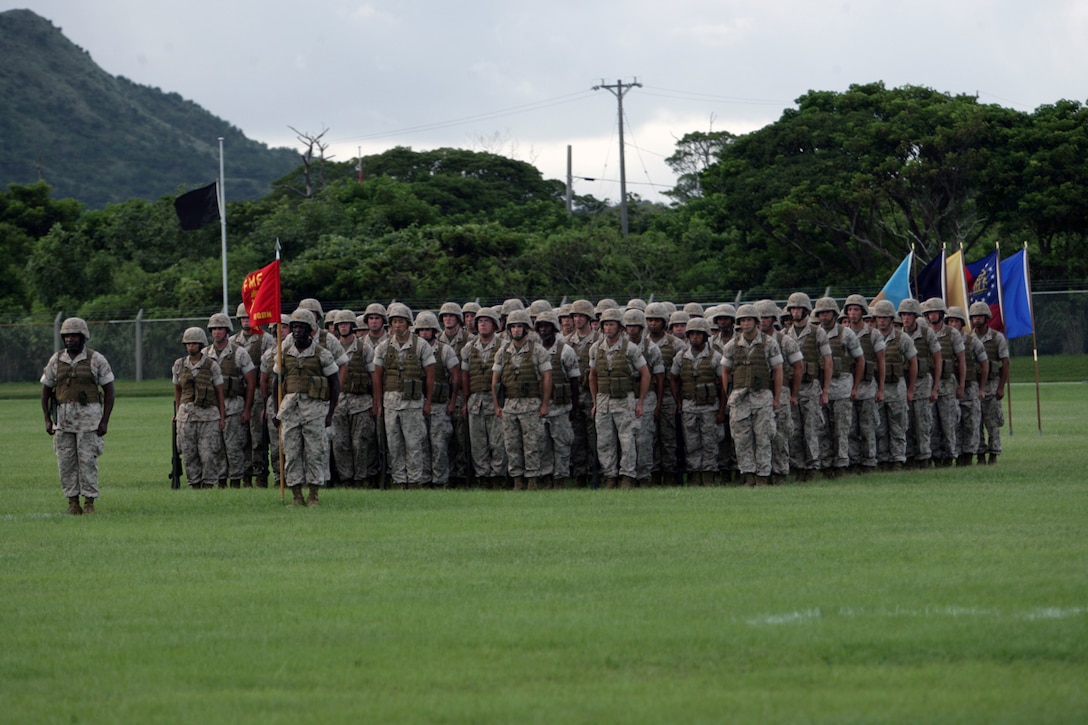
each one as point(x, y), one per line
point(750, 479)
point(627, 482)
point(532, 484)
point(247, 482)
point(73, 506)
point(519, 483)
point(609, 483)
point(88, 505)
point(222, 483)
point(311, 500)
point(235, 483)
point(981, 459)
point(992, 460)
point(296, 495)
point(763, 481)
point(262, 480)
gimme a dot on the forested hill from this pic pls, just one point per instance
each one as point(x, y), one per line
point(99, 138)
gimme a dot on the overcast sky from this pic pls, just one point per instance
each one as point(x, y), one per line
point(516, 78)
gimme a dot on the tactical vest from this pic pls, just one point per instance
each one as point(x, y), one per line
point(234, 385)
point(753, 372)
point(582, 348)
point(991, 352)
point(925, 357)
point(403, 376)
point(560, 381)
point(698, 381)
point(840, 358)
point(668, 348)
point(302, 374)
point(894, 364)
point(357, 380)
point(949, 366)
point(197, 389)
point(613, 380)
point(974, 367)
point(814, 361)
point(75, 383)
point(868, 356)
point(255, 347)
point(479, 372)
point(442, 390)
point(519, 382)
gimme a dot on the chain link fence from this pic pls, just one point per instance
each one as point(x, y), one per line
point(145, 349)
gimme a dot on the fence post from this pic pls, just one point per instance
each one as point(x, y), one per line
point(139, 347)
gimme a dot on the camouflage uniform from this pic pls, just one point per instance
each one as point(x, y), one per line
point(997, 350)
point(665, 454)
point(458, 455)
point(614, 416)
point(257, 440)
point(75, 433)
point(920, 421)
point(199, 437)
point(835, 444)
point(944, 437)
point(524, 372)
point(440, 421)
point(751, 364)
point(648, 426)
point(484, 427)
point(863, 446)
point(584, 446)
point(556, 458)
point(783, 415)
point(809, 423)
point(302, 414)
point(891, 433)
point(405, 429)
point(696, 376)
point(971, 403)
point(268, 364)
point(234, 364)
point(354, 437)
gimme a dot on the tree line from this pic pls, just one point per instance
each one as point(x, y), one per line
point(833, 193)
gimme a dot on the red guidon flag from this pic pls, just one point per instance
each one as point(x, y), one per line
point(261, 295)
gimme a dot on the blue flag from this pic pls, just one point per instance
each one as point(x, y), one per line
point(1016, 294)
point(897, 287)
point(982, 282)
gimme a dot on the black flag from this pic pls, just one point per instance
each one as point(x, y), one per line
point(198, 207)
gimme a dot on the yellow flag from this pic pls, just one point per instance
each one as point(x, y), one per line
point(956, 294)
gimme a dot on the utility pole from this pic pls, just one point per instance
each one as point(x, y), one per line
point(619, 91)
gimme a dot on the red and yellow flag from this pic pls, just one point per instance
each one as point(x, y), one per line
point(261, 295)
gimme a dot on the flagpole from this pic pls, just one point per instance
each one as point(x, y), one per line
point(913, 274)
point(279, 388)
point(1034, 342)
point(963, 283)
point(944, 274)
point(223, 227)
point(1001, 309)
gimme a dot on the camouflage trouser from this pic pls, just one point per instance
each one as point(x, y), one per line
point(201, 447)
point(783, 432)
point(645, 443)
point(523, 436)
point(617, 435)
point(306, 452)
point(702, 436)
point(970, 419)
point(891, 431)
point(808, 427)
point(727, 453)
point(488, 448)
point(753, 435)
point(77, 461)
point(458, 455)
point(665, 436)
point(993, 417)
point(863, 449)
point(256, 445)
point(584, 444)
point(835, 443)
point(274, 449)
point(555, 458)
point(920, 421)
point(354, 444)
point(406, 437)
point(233, 464)
point(944, 433)
point(440, 430)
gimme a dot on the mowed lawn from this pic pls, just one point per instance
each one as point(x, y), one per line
point(952, 595)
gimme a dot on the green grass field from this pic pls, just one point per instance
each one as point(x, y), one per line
point(958, 595)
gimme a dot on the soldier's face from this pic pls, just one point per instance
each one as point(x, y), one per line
point(725, 324)
point(193, 348)
point(956, 323)
point(634, 332)
point(450, 321)
point(697, 339)
point(826, 318)
point(567, 324)
point(934, 318)
point(909, 319)
point(884, 324)
point(470, 318)
point(219, 334)
point(611, 329)
point(656, 325)
point(243, 322)
point(398, 326)
point(73, 342)
point(766, 324)
point(485, 326)
point(518, 330)
point(679, 329)
point(427, 333)
point(854, 313)
point(798, 314)
point(978, 321)
point(375, 323)
point(301, 332)
point(546, 330)
point(344, 328)
point(748, 325)
point(581, 322)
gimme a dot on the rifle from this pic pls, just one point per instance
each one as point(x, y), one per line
point(175, 457)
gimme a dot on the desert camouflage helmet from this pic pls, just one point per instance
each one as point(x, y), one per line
point(934, 304)
point(606, 304)
point(767, 308)
point(910, 306)
point(694, 309)
point(724, 310)
point(745, 311)
point(826, 304)
point(698, 324)
point(75, 326)
point(376, 308)
point(344, 316)
point(857, 300)
point(538, 306)
point(220, 319)
point(399, 309)
point(679, 318)
point(656, 310)
point(563, 311)
point(611, 314)
point(452, 308)
point(582, 307)
point(519, 317)
point(980, 308)
point(472, 307)
point(313, 306)
point(955, 312)
point(488, 313)
point(548, 316)
point(636, 304)
point(241, 311)
point(360, 322)
point(669, 306)
point(512, 304)
point(634, 316)
point(801, 300)
point(883, 308)
point(194, 334)
point(426, 320)
point(330, 317)
point(303, 316)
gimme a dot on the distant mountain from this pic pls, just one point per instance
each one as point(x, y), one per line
point(100, 138)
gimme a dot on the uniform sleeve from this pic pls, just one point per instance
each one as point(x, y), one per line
point(774, 352)
point(379, 353)
point(175, 371)
point(821, 342)
point(243, 360)
point(217, 373)
point(727, 354)
point(569, 360)
point(851, 343)
point(878, 341)
point(543, 359)
point(791, 351)
point(49, 373)
point(329, 366)
point(907, 348)
point(958, 345)
point(635, 357)
point(425, 352)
